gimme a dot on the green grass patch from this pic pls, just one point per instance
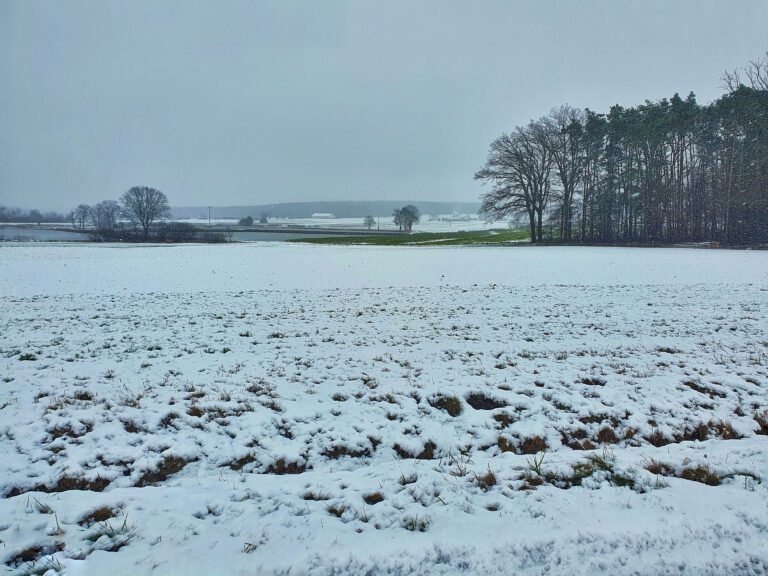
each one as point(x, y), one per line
point(499, 236)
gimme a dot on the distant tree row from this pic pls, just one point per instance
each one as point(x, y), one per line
point(30, 216)
point(666, 171)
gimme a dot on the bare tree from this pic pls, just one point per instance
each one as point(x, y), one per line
point(82, 214)
point(397, 218)
point(518, 167)
point(539, 161)
point(111, 211)
point(143, 206)
point(505, 171)
point(564, 137)
point(368, 222)
point(755, 72)
point(104, 215)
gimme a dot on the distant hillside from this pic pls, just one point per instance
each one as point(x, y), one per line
point(340, 209)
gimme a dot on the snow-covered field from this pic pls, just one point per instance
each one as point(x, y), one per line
point(294, 409)
point(427, 223)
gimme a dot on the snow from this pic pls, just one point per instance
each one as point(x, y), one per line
point(236, 363)
point(125, 268)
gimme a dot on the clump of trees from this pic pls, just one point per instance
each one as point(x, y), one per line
point(105, 215)
point(139, 216)
point(248, 220)
point(406, 217)
point(130, 219)
point(662, 172)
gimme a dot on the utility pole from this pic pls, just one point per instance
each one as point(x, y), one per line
point(209, 216)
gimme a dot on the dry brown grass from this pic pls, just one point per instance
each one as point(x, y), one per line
point(480, 401)
point(533, 445)
point(450, 404)
point(428, 453)
point(336, 452)
point(702, 474)
point(33, 553)
point(373, 498)
point(239, 463)
point(169, 466)
point(101, 514)
point(486, 480)
point(282, 466)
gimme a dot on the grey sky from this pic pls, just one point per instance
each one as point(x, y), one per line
point(250, 102)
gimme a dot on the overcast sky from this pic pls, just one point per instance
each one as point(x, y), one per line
point(254, 102)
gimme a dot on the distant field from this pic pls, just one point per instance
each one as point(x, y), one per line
point(383, 222)
point(428, 238)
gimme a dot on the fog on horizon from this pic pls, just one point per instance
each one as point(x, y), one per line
point(261, 102)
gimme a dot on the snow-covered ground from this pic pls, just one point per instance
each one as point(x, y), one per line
point(272, 408)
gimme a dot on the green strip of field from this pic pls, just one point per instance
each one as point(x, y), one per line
point(427, 238)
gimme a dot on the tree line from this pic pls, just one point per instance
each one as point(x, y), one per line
point(17, 215)
point(667, 171)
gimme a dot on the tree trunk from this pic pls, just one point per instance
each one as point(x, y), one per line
point(538, 224)
point(532, 222)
